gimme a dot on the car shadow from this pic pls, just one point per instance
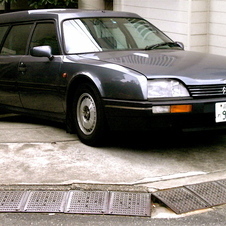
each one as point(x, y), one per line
point(137, 139)
point(165, 140)
point(17, 118)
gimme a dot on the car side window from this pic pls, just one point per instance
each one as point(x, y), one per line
point(45, 34)
point(2, 33)
point(16, 40)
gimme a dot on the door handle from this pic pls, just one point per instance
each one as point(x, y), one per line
point(22, 67)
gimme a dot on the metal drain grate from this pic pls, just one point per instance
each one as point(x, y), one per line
point(126, 203)
point(212, 192)
point(181, 200)
point(222, 182)
point(91, 202)
point(11, 201)
point(45, 201)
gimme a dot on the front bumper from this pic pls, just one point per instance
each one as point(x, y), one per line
point(138, 115)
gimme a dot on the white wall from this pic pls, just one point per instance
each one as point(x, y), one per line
point(91, 4)
point(217, 30)
point(198, 23)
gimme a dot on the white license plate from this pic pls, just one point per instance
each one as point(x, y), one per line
point(220, 112)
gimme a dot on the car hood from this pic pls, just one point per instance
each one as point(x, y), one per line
point(190, 67)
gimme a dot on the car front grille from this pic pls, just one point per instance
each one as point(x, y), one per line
point(208, 90)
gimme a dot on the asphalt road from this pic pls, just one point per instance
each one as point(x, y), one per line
point(40, 152)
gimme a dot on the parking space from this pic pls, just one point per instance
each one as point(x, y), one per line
point(40, 152)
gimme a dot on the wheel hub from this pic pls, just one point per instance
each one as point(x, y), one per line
point(86, 113)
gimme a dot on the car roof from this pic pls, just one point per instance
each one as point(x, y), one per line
point(60, 14)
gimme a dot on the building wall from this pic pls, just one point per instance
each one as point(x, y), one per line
point(217, 28)
point(198, 23)
point(91, 4)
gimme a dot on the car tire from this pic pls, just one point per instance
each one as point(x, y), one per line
point(88, 115)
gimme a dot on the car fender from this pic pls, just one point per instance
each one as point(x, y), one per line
point(113, 81)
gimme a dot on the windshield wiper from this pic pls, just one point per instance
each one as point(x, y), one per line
point(170, 44)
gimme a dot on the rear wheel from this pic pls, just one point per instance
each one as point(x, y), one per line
point(88, 115)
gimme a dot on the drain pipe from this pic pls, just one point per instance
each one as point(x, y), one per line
point(91, 4)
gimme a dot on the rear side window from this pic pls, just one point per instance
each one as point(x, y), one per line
point(16, 40)
point(45, 34)
point(2, 33)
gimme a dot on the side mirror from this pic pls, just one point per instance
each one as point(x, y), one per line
point(42, 51)
point(180, 44)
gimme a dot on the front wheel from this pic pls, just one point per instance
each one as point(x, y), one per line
point(88, 115)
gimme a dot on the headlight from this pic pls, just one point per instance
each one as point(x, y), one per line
point(160, 88)
point(163, 88)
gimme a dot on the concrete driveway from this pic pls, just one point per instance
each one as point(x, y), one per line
point(39, 152)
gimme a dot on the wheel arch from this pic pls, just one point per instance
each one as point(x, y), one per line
point(76, 82)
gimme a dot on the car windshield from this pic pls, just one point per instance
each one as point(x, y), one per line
point(103, 34)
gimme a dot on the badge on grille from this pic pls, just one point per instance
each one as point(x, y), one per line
point(224, 90)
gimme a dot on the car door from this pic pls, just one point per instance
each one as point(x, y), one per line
point(12, 49)
point(39, 82)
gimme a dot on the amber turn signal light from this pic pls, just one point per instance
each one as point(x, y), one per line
point(64, 75)
point(180, 108)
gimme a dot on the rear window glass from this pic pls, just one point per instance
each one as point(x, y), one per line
point(2, 33)
point(16, 41)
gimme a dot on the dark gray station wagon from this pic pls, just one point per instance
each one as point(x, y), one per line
point(104, 70)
